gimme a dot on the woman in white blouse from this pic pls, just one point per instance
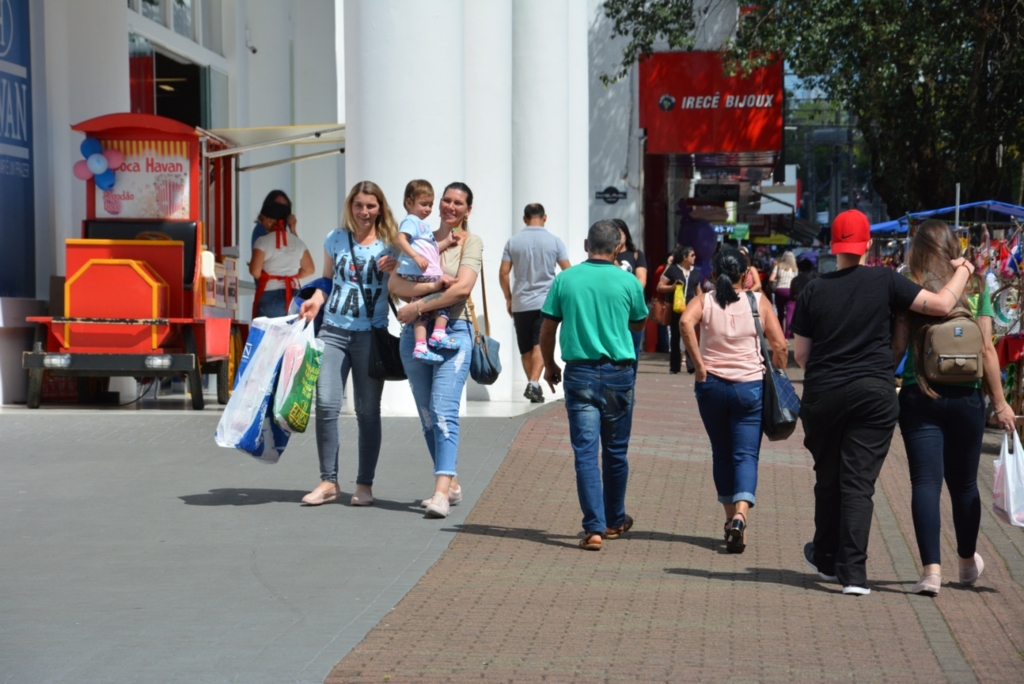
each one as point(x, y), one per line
point(782, 275)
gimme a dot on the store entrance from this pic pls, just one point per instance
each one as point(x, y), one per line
point(165, 85)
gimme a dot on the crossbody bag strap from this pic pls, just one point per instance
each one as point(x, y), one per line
point(760, 332)
point(469, 300)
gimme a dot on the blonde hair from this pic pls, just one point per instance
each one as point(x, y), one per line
point(415, 189)
point(385, 225)
point(787, 261)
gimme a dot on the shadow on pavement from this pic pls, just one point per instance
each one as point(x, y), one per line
point(709, 543)
point(524, 533)
point(252, 497)
point(791, 578)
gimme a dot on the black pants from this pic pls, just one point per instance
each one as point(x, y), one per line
point(943, 439)
point(675, 349)
point(848, 431)
point(675, 356)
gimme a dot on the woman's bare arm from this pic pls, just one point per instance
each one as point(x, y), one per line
point(687, 324)
point(256, 265)
point(641, 275)
point(306, 266)
point(458, 291)
point(942, 302)
point(665, 285)
point(993, 381)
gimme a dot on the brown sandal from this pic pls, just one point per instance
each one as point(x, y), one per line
point(587, 544)
point(616, 532)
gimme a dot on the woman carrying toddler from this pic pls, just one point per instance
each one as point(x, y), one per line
point(420, 262)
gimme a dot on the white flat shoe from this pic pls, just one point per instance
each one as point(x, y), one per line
point(454, 497)
point(970, 575)
point(928, 586)
point(438, 506)
point(322, 495)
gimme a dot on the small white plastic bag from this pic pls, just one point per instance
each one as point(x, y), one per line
point(1008, 482)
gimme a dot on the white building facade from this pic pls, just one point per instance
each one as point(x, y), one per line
point(503, 95)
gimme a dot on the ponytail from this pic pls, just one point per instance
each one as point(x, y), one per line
point(724, 292)
point(728, 265)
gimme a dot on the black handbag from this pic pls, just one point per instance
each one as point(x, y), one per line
point(484, 364)
point(385, 348)
point(385, 354)
point(780, 407)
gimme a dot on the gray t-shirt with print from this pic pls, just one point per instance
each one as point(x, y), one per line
point(534, 253)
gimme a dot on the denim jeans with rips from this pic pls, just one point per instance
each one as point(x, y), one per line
point(437, 391)
point(599, 403)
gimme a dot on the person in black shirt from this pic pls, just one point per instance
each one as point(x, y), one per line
point(805, 274)
point(631, 260)
point(842, 327)
point(680, 272)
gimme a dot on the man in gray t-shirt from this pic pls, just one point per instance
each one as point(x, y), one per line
point(534, 253)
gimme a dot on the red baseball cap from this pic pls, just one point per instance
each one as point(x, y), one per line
point(851, 232)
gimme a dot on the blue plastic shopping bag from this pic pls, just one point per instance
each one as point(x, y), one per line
point(247, 424)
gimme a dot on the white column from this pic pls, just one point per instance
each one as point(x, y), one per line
point(578, 113)
point(404, 105)
point(550, 118)
point(488, 29)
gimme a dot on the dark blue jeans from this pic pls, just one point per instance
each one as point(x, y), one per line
point(599, 402)
point(943, 441)
point(731, 412)
point(272, 304)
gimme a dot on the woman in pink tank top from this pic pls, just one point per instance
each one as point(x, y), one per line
point(730, 379)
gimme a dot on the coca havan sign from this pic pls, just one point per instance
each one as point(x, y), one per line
point(689, 106)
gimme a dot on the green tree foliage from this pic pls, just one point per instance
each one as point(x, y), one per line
point(937, 86)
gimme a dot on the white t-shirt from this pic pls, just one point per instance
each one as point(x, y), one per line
point(783, 278)
point(285, 261)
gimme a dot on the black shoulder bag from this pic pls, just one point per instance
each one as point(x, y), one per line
point(780, 407)
point(385, 354)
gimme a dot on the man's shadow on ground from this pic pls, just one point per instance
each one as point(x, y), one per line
point(252, 497)
point(571, 541)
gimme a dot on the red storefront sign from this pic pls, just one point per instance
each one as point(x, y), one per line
point(688, 105)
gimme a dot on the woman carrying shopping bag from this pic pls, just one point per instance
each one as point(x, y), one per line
point(943, 423)
point(730, 379)
point(358, 258)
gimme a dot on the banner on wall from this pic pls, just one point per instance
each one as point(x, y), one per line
point(689, 106)
point(17, 195)
point(152, 181)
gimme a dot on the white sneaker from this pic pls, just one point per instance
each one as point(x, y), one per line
point(854, 590)
point(438, 506)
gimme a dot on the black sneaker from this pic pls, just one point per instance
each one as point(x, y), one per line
point(534, 393)
point(809, 559)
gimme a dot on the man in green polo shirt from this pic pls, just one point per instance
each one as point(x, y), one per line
point(597, 305)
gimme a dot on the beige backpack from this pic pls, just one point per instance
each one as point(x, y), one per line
point(953, 349)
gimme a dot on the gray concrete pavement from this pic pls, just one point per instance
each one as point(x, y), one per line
point(133, 549)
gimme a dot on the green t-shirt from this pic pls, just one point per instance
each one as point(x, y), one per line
point(979, 306)
point(595, 302)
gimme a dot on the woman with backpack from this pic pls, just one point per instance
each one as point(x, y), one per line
point(943, 422)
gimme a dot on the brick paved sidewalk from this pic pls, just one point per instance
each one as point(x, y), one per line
point(514, 600)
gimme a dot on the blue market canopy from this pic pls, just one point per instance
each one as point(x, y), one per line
point(900, 225)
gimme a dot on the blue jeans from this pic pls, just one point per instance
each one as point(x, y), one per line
point(272, 304)
point(731, 412)
point(638, 344)
point(943, 440)
point(599, 402)
point(347, 351)
point(437, 391)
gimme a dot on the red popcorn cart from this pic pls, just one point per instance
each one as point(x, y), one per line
point(151, 287)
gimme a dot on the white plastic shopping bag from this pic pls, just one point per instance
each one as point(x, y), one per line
point(245, 424)
point(1008, 483)
point(300, 368)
